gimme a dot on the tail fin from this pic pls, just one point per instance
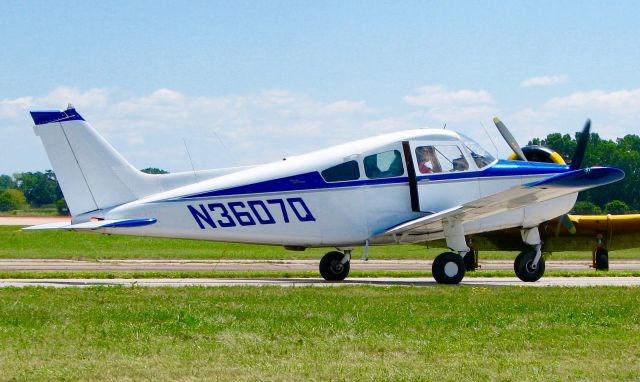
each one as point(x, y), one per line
point(92, 174)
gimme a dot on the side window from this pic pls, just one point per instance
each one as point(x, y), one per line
point(344, 171)
point(440, 158)
point(384, 165)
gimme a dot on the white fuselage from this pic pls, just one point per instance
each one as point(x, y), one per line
point(290, 203)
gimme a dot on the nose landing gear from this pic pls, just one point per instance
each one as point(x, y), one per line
point(529, 265)
point(526, 268)
point(335, 266)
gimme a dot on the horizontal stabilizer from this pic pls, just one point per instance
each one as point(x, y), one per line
point(94, 225)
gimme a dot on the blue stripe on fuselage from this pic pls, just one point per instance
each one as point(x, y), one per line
point(313, 180)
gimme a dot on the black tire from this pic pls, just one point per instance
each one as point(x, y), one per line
point(602, 259)
point(448, 268)
point(470, 261)
point(523, 266)
point(330, 267)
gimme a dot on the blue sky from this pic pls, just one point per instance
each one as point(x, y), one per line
point(281, 78)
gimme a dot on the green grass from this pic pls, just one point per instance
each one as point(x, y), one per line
point(15, 243)
point(310, 333)
point(280, 274)
point(43, 211)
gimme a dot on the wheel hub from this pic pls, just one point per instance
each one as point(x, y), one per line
point(451, 269)
point(531, 267)
point(337, 267)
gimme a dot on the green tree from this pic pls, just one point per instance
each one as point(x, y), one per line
point(39, 188)
point(6, 182)
point(623, 153)
point(616, 207)
point(12, 199)
point(154, 170)
point(586, 208)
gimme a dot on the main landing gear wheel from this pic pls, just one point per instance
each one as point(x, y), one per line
point(525, 270)
point(448, 268)
point(332, 268)
point(602, 259)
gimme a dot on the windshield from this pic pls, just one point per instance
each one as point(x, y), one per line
point(479, 154)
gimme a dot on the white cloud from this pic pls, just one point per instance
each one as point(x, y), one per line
point(543, 81)
point(439, 96)
point(218, 130)
point(251, 128)
point(443, 105)
point(621, 102)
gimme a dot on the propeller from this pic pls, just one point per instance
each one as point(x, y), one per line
point(581, 148)
point(511, 141)
point(576, 161)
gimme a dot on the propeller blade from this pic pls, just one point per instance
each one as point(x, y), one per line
point(581, 148)
point(511, 141)
point(568, 224)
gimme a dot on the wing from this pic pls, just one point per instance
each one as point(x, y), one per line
point(95, 225)
point(517, 197)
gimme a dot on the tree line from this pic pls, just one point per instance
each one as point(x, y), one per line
point(25, 190)
point(624, 153)
point(38, 189)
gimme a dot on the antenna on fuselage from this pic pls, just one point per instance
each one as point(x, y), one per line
point(489, 135)
point(195, 176)
point(233, 158)
point(445, 126)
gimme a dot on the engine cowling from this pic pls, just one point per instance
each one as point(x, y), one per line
point(539, 154)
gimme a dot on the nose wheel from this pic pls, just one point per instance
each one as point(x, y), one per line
point(526, 268)
point(448, 268)
point(334, 266)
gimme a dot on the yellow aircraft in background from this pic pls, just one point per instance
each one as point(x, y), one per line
point(598, 234)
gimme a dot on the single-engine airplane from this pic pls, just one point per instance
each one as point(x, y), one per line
point(403, 187)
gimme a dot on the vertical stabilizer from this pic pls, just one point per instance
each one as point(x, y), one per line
point(92, 174)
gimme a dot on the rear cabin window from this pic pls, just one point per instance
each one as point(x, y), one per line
point(384, 165)
point(344, 171)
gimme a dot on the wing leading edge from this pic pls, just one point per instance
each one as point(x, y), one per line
point(517, 197)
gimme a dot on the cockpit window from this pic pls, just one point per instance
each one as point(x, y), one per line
point(342, 172)
point(384, 165)
point(479, 155)
point(440, 158)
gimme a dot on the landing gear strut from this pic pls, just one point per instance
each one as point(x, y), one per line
point(334, 265)
point(449, 267)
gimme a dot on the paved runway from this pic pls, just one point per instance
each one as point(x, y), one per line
point(32, 220)
point(317, 282)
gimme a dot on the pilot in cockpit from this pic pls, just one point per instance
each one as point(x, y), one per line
point(427, 160)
